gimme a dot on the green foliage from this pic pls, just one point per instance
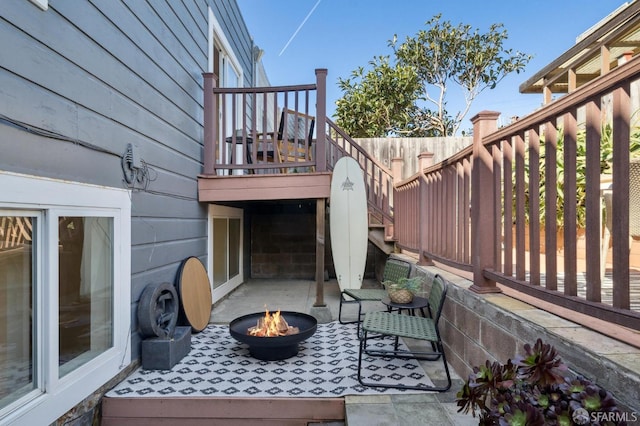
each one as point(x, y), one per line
point(408, 97)
point(377, 102)
point(606, 163)
point(413, 284)
point(535, 389)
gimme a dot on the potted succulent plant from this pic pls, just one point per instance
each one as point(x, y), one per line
point(403, 290)
point(535, 389)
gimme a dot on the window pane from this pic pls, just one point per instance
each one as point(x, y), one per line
point(85, 289)
point(234, 247)
point(220, 250)
point(17, 259)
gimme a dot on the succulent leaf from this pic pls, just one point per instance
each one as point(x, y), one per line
point(533, 390)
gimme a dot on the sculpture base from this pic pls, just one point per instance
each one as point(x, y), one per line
point(163, 353)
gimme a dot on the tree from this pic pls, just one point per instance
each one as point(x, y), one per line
point(378, 102)
point(414, 87)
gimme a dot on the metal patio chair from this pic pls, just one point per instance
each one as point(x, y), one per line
point(292, 142)
point(386, 324)
point(394, 269)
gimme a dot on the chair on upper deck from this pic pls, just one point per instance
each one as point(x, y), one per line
point(378, 325)
point(394, 269)
point(293, 141)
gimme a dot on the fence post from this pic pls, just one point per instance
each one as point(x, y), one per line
point(320, 237)
point(210, 123)
point(397, 164)
point(425, 159)
point(321, 118)
point(424, 210)
point(483, 232)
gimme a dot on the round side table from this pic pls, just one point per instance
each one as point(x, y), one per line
point(416, 303)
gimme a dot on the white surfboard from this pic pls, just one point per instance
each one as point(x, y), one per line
point(348, 223)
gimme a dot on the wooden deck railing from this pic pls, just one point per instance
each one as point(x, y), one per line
point(235, 116)
point(480, 210)
point(378, 178)
point(241, 127)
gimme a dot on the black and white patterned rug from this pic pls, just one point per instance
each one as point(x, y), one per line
point(325, 366)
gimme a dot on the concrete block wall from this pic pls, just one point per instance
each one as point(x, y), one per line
point(495, 327)
point(283, 241)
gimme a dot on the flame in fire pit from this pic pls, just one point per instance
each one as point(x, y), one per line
point(272, 325)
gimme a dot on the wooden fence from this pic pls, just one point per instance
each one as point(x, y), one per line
point(524, 205)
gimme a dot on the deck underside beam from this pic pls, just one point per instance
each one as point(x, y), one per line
point(264, 187)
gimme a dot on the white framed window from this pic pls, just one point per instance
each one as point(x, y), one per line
point(222, 60)
point(65, 314)
point(225, 249)
point(226, 66)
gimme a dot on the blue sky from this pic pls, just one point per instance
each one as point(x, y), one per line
point(341, 35)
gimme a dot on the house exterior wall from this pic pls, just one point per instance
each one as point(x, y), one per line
point(82, 80)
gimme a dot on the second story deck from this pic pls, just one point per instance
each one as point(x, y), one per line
point(276, 143)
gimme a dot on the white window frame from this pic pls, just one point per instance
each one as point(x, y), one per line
point(216, 36)
point(224, 212)
point(42, 4)
point(48, 198)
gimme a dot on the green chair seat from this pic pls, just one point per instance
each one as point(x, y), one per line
point(368, 294)
point(393, 324)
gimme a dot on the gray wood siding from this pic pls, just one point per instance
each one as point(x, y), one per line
point(106, 73)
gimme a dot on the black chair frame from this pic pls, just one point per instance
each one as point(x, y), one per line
point(378, 325)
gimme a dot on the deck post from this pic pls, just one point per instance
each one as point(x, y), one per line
point(320, 236)
point(483, 232)
point(425, 159)
point(423, 224)
point(210, 123)
point(397, 165)
point(321, 118)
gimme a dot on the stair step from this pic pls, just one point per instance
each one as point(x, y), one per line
point(377, 237)
point(232, 411)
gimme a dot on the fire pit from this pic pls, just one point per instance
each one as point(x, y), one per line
point(276, 347)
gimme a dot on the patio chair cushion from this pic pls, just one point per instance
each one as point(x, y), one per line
point(366, 294)
point(394, 324)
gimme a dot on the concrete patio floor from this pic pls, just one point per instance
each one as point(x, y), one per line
point(300, 295)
